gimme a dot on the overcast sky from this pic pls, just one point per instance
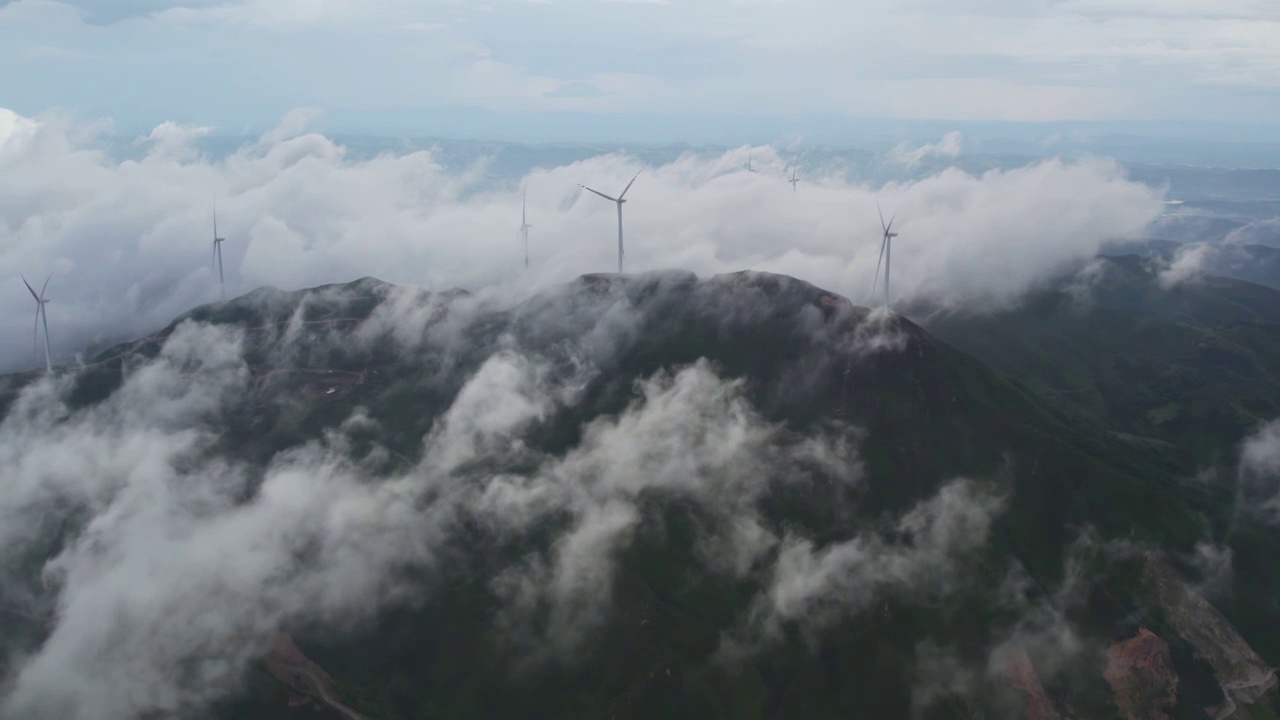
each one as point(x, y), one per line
point(249, 61)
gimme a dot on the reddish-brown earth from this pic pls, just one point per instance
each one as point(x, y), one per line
point(1141, 674)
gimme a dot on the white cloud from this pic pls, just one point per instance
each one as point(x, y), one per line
point(1188, 264)
point(1260, 472)
point(948, 147)
point(128, 241)
point(185, 562)
point(816, 588)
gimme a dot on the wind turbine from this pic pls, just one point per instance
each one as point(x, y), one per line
point(41, 301)
point(886, 251)
point(619, 200)
point(524, 227)
point(217, 251)
point(794, 180)
point(749, 168)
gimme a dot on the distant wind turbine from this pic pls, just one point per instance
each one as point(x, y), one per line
point(217, 251)
point(41, 317)
point(618, 200)
point(524, 227)
point(749, 168)
point(794, 180)
point(886, 251)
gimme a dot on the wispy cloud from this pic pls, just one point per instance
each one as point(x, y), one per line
point(182, 560)
point(948, 147)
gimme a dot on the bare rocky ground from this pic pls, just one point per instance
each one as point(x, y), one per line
point(1140, 672)
point(308, 683)
point(1243, 675)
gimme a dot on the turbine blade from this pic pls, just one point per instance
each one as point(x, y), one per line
point(633, 180)
point(45, 287)
point(606, 197)
point(29, 288)
point(35, 334)
point(891, 219)
point(881, 214)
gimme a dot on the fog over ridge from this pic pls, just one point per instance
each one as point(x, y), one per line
point(175, 563)
point(129, 242)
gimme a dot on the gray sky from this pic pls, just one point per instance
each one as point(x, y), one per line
point(249, 61)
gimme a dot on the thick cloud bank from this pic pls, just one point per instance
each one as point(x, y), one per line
point(129, 242)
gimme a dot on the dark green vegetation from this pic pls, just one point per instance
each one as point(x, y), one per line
point(1081, 416)
point(1192, 365)
point(1188, 370)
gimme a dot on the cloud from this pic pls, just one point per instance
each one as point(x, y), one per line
point(815, 588)
point(97, 13)
point(128, 240)
point(164, 559)
point(575, 90)
point(947, 147)
point(1259, 472)
point(1188, 264)
point(1213, 563)
point(181, 560)
point(985, 60)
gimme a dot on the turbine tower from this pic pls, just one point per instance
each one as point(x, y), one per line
point(886, 251)
point(749, 168)
point(794, 180)
point(41, 317)
point(524, 227)
point(618, 200)
point(217, 251)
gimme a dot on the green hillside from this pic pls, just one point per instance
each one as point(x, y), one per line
point(1190, 369)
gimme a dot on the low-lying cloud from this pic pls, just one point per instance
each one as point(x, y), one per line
point(1260, 472)
point(128, 242)
point(163, 566)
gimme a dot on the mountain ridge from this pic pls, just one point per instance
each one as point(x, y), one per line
point(873, 416)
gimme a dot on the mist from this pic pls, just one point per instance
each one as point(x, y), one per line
point(158, 564)
point(128, 242)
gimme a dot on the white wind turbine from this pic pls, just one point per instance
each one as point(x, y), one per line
point(618, 200)
point(41, 317)
point(524, 227)
point(217, 251)
point(794, 180)
point(886, 250)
